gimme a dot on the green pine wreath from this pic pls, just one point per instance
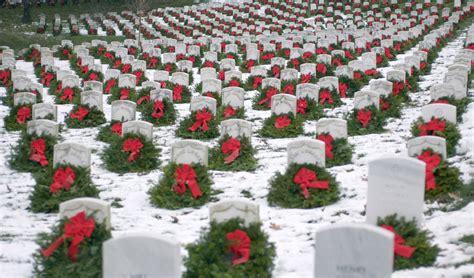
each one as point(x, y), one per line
point(293, 130)
point(391, 106)
point(58, 265)
point(246, 161)
point(20, 155)
point(93, 119)
point(313, 111)
point(184, 132)
point(287, 194)
point(106, 134)
point(425, 253)
point(354, 127)
point(168, 118)
point(342, 152)
point(461, 105)
point(210, 256)
point(451, 134)
point(239, 113)
point(116, 160)
point(10, 121)
point(115, 94)
point(76, 97)
point(43, 200)
point(162, 195)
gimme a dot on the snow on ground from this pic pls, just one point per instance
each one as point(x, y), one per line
point(291, 229)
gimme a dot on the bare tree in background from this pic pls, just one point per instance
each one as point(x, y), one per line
point(140, 7)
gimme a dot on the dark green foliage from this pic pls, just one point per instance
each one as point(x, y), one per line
point(239, 114)
point(313, 111)
point(20, 157)
point(106, 134)
point(354, 127)
point(461, 105)
point(468, 239)
point(93, 119)
point(10, 121)
point(262, 95)
point(76, 98)
point(285, 193)
point(43, 200)
point(168, 118)
point(184, 132)
point(394, 108)
point(451, 134)
point(115, 94)
point(447, 181)
point(116, 160)
point(336, 99)
point(163, 195)
point(342, 152)
point(425, 253)
point(210, 256)
point(245, 162)
point(352, 85)
point(58, 265)
point(293, 130)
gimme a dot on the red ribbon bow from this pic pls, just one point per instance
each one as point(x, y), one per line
point(400, 249)
point(84, 69)
point(23, 114)
point(231, 146)
point(117, 128)
point(185, 175)
point(431, 127)
point(229, 111)
point(221, 75)
point(342, 89)
point(68, 94)
point(37, 150)
point(321, 68)
point(93, 76)
point(301, 106)
point(158, 109)
point(109, 85)
point(388, 54)
point(282, 122)
point(336, 62)
point(126, 68)
point(432, 161)
point(364, 117)
point(325, 95)
point(63, 178)
point(257, 81)
point(46, 80)
point(397, 87)
point(384, 105)
point(348, 54)
point(168, 67)
point(202, 119)
point(250, 64)
point(306, 178)
point(306, 78)
point(78, 228)
point(320, 51)
point(133, 146)
point(177, 91)
point(143, 99)
point(208, 64)
point(307, 55)
point(139, 74)
point(295, 62)
point(124, 93)
point(327, 139)
point(276, 71)
point(152, 63)
point(357, 75)
point(66, 52)
point(80, 113)
point(371, 72)
point(234, 83)
point(289, 89)
point(268, 97)
point(240, 246)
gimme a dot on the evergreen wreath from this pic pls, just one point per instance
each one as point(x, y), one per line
point(329, 98)
point(68, 96)
point(445, 129)
point(245, 161)
point(229, 112)
point(21, 154)
point(309, 109)
point(18, 117)
point(76, 119)
point(340, 152)
point(43, 199)
point(110, 133)
point(120, 159)
point(118, 93)
point(284, 192)
point(290, 126)
point(184, 131)
point(150, 114)
point(358, 118)
point(210, 256)
point(163, 194)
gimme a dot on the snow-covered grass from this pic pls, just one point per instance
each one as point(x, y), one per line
point(292, 230)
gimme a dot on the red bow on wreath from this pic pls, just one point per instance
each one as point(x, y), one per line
point(5, 76)
point(177, 91)
point(234, 83)
point(85, 69)
point(221, 75)
point(295, 62)
point(384, 105)
point(202, 119)
point(301, 106)
point(152, 63)
point(143, 99)
point(158, 109)
point(249, 65)
point(46, 80)
point(371, 72)
point(268, 97)
point(307, 55)
point(364, 117)
point(68, 94)
point(126, 68)
point(110, 84)
point(208, 64)
point(79, 114)
point(185, 175)
point(432, 161)
point(231, 146)
point(327, 139)
point(139, 74)
point(289, 89)
point(336, 62)
point(240, 246)
point(357, 75)
point(400, 249)
point(276, 71)
point(93, 76)
point(342, 89)
point(397, 87)
point(168, 67)
point(306, 78)
point(257, 81)
point(23, 114)
point(117, 128)
point(124, 94)
point(77, 228)
point(321, 68)
point(282, 122)
point(348, 54)
point(431, 127)
point(37, 150)
point(63, 178)
point(229, 111)
point(306, 178)
point(133, 146)
point(388, 54)
point(325, 96)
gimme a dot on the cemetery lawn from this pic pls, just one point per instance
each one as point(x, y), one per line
point(17, 35)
